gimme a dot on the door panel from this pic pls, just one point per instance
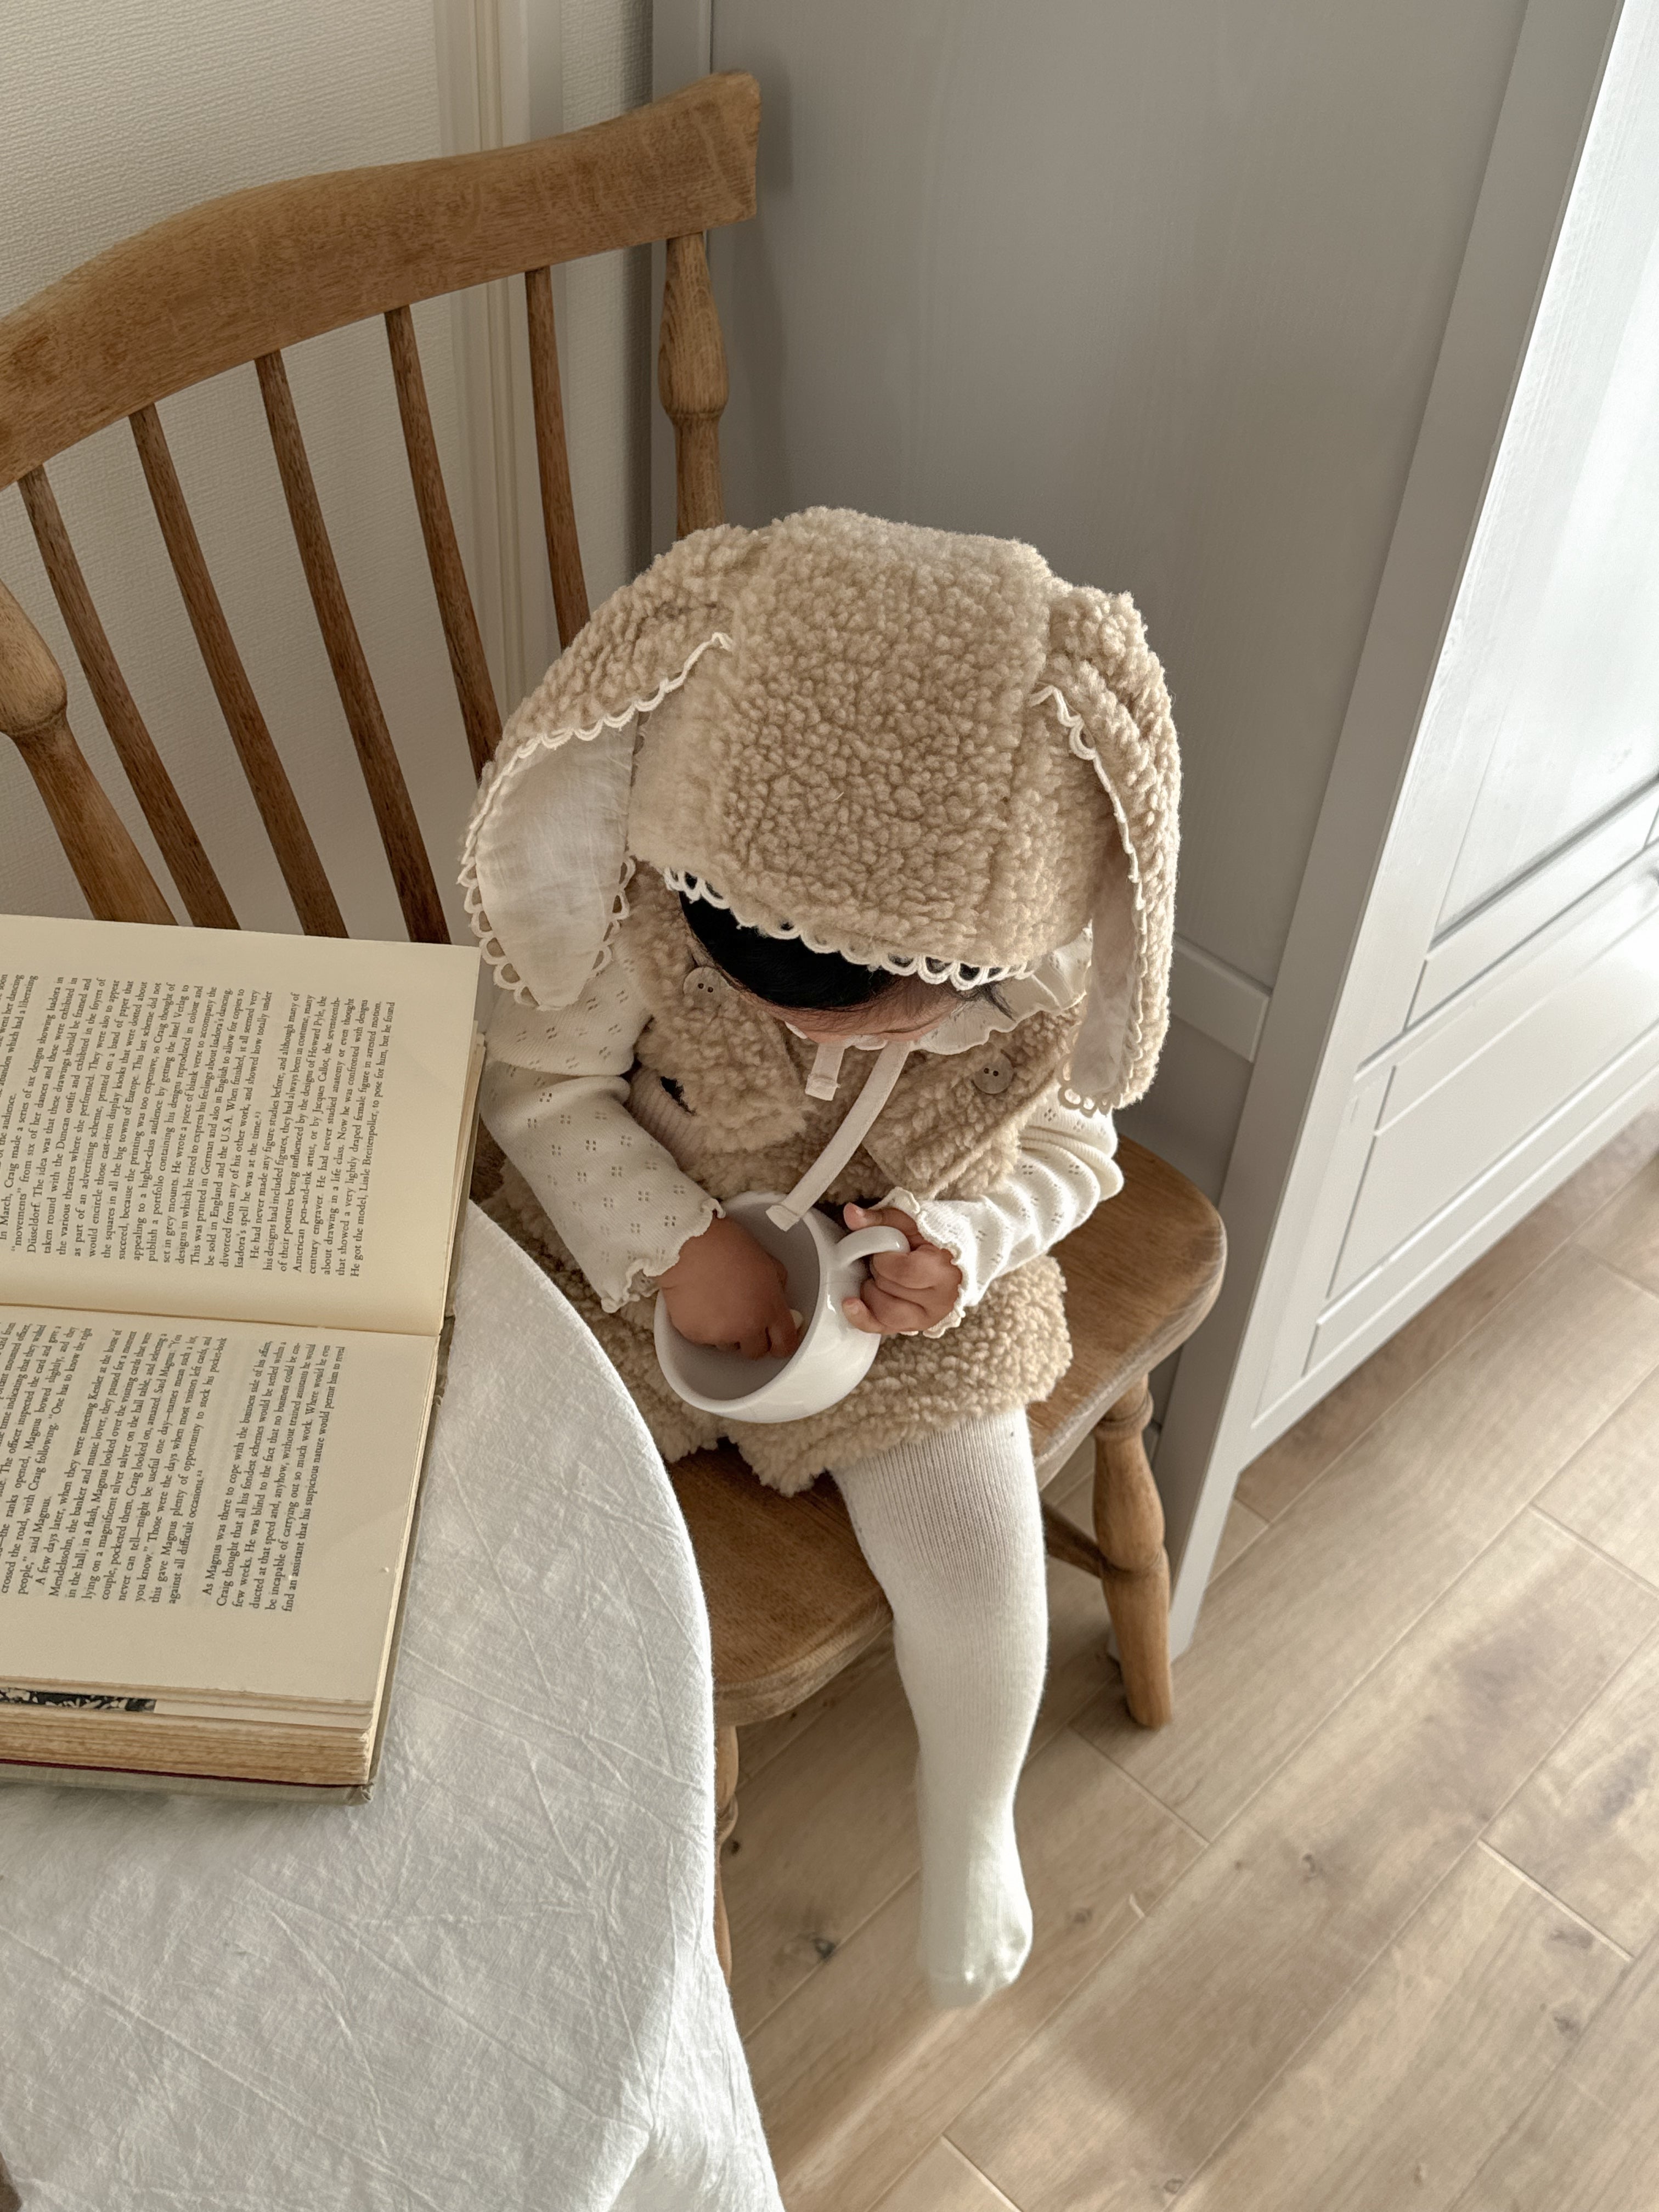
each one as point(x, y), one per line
point(1510, 1186)
point(1465, 952)
point(1519, 1049)
point(1577, 663)
point(1477, 925)
point(1507, 911)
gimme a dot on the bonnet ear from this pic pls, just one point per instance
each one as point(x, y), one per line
point(544, 865)
point(1107, 686)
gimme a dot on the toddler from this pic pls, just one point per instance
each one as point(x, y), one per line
point(837, 858)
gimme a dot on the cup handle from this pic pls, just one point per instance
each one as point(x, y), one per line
point(864, 1243)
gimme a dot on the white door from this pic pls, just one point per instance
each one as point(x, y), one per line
point(1495, 1015)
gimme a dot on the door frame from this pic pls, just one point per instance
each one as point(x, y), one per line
point(1315, 1037)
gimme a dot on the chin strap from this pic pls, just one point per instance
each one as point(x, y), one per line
point(825, 1078)
point(860, 1118)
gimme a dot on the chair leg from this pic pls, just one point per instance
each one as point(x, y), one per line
point(726, 1818)
point(1129, 1530)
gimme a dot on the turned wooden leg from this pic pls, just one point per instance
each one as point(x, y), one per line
point(726, 1818)
point(1129, 1530)
point(10, 2200)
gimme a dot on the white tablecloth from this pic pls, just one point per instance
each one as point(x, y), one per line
point(492, 1986)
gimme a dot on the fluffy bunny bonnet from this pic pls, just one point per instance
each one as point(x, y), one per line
point(918, 750)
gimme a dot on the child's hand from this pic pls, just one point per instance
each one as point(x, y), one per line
point(907, 1291)
point(727, 1291)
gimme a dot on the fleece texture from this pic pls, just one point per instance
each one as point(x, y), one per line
point(901, 745)
point(1011, 1350)
point(744, 1121)
point(872, 713)
point(905, 745)
point(739, 1118)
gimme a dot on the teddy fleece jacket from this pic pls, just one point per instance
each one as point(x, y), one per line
point(921, 751)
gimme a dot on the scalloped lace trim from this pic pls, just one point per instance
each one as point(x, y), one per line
point(499, 773)
point(965, 974)
point(1073, 722)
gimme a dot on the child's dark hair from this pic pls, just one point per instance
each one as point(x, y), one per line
point(781, 969)
point(787, 972)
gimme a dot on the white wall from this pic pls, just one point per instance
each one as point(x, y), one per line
point(590, 59)
point(1160, 290)
point(515, 69)
point(119, 113)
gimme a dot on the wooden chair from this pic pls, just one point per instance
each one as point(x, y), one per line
point(238, 280)
point(790, 1601)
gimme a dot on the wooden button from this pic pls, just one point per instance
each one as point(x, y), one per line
point(994, 1077)
point(702, 986)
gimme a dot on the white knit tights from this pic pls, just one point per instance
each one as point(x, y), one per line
point(952, 1530)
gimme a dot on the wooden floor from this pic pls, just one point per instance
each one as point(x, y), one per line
point(1376, 1924)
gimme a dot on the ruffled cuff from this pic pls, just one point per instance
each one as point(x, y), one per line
point(641, 1280)
point(941, 1224)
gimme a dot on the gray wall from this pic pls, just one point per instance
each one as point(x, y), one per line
point(590, 59)
point(1160, 290)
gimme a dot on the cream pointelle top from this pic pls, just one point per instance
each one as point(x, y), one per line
point(554, 1098)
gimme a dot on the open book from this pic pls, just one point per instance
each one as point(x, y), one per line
point(231, 1170)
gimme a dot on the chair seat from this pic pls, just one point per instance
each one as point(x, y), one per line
point(1140, 1275)
point(790, 1598)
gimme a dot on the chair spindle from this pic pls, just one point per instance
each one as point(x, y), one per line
point(473, 689)
point(1130, 1528)
point(174, 832)
point(296, 856)
point(401, 835)
point(34, 713)
point(564, 559)
point(693, 384)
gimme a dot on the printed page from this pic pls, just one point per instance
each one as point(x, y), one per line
point(214, 1121)
point(214, 1507)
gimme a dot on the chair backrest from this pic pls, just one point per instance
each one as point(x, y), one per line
point(235, 281)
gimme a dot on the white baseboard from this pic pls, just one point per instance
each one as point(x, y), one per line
point(1208, 995)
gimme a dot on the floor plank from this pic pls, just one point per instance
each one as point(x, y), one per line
point(1293, 1625)
point(1080, 1664)
point(1607, 1492)
point(864, 2084)
point(1303, 1453)
point(1587, 1825)
point(797, 1886)
point(1625, 1232)
point(942, 2181)
point(1591, 2142)
point(760, 1744)
point(858, 2073)
point(1239, 1531)
point(1143, 2073)
point(1447, 2039)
